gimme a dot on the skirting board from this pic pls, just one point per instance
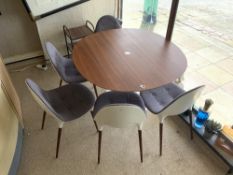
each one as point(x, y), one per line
point(22, 57)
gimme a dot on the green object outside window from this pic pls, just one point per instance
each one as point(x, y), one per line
point(150, 11)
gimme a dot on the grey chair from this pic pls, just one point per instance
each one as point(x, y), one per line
point(119, 110)
point(65, 103)
point(65, 67)
point(107, 22)
point(170, 100)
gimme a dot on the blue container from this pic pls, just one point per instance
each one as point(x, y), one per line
point(201, 118)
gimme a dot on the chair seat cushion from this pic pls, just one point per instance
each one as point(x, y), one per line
point(159, 98)
point(70, 101)
point(67, 102)
point(113, 97)
point(70, 73)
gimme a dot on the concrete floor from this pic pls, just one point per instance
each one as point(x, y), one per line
point(203, 31)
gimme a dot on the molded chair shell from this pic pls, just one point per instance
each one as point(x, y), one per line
point(119, 110)
point(170, 100)
point(65, 103)
point(122, 116)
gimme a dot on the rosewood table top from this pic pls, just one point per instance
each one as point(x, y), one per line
point(128, 60)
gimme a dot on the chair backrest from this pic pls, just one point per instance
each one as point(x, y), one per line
point(107, 22)
point(120, 116)
point(182, 102)
point(40, 96)
point(56, 59)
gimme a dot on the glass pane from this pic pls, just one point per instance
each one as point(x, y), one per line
point(140, 13)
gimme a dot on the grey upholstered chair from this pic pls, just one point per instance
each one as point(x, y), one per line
point(107, 22)
point(65, 103)
point(170, 100)
point(65, 67)
point(119, 110)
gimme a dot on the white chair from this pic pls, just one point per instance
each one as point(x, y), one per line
point(170, 100)
point(119, 110)
point(65, 103)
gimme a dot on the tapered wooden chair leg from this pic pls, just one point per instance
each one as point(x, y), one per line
point(140, 144)
point(94, 122)
point(58, 141)
point(43, 120)
point(99, 145)
point(191, 124)
point(60, 83)
point(95, 89)
point(95, 125)
point(160, 138)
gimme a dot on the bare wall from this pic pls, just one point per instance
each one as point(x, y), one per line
point(18, 34)
point(50, 28)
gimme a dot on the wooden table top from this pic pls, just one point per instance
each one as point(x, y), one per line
point(128, 60)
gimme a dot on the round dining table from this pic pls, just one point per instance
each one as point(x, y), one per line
point(128, 60)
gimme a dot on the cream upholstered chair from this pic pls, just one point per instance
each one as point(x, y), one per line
point(119, 110)
point(170, 100)
point(65, 103)
point(107, 22)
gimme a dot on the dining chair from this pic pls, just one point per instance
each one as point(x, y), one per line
point(170, 100)
point(119, 110)
point(65, 103)
point(107, 22)
point(65, 67)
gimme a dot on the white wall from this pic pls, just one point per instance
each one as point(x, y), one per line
point(50, 28)
point(18, 34)
point(19, 37)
